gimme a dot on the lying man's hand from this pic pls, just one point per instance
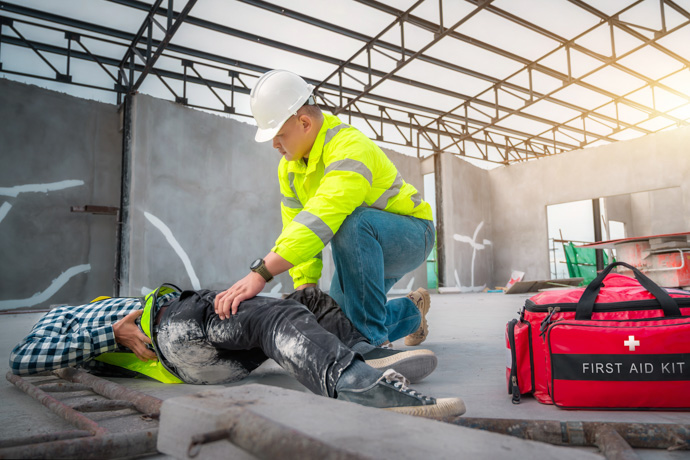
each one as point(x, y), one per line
point(128, 334)
point(227, 302)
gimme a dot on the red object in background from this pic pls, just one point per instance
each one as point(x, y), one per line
point(663, 258)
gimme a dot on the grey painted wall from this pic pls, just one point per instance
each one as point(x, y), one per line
point(468, 225)
point(521, 192)
point(202, 179)
point(202, 185)
point(58, 151)
point(209, 188)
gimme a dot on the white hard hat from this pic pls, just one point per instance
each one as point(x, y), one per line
point(276, 97)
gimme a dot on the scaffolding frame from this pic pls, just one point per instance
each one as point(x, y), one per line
point(478, 126)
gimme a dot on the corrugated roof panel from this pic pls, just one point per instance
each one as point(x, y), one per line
point(565, 19)
point(500, 32)
point(614, 81)
point(651, 62)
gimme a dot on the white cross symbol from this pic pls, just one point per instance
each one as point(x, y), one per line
point(631, 343)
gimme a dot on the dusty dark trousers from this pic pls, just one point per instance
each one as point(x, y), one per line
point(306, 334)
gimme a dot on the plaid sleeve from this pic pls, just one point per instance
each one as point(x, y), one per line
point(69, 336)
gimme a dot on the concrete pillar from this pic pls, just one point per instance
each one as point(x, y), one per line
point(440, 234)
point(123, 234)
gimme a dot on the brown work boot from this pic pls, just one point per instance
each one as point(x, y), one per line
point(421, 299)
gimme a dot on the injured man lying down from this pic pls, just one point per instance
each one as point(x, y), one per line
point(177, 337)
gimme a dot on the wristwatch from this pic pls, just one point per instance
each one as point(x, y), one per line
point(258, 266)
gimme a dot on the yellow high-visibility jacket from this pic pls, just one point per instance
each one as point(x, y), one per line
point(345, 170)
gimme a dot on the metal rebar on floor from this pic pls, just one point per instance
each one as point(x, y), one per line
point(91, 440)
point(103, 406)
point(58, 407)
point(612, 445)
point(117, 445)
point(63, 387)
point(46, 437)
point(144, 403)
point(637, 435)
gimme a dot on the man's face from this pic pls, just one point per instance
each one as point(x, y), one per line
point(292, 141)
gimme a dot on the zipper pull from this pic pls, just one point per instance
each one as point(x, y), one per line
point(548, 320)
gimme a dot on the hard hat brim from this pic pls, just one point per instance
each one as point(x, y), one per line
point(265, 135)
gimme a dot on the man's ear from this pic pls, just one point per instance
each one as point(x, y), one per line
point(306, 122)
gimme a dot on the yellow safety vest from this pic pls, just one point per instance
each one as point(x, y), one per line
point(345, 170)
point(154, 369)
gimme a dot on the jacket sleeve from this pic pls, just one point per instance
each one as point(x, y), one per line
point(47, 347)
point(347, 180)
point(308, 271)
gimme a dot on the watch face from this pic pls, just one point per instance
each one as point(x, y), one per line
point(256, 264)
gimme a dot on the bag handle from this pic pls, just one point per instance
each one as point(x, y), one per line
point(585, 306)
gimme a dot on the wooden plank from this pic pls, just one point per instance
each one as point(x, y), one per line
point(535, 286)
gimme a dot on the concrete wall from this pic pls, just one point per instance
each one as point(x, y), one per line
point(618, 208)
point(648, 213)
point(521, 192)
point(468, 225)
point(205, 200)
point(58, 151)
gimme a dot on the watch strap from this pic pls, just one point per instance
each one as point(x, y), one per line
point(263, 271)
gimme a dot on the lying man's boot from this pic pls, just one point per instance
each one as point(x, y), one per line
point(413, 364)
point(390, 392)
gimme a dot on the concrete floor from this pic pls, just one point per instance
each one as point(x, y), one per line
point(466, 332)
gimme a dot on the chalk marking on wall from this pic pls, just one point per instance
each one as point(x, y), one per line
point(49, 292)
point(404, 290)
point(4, 209)
point(476, 246)
point(167, 233)
point(464, 289)
point(39, 188)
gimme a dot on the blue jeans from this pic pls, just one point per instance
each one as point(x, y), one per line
point(372, 250)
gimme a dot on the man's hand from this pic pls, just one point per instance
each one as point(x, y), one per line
point(128, 334)
point(227, 302)
point(304, 286)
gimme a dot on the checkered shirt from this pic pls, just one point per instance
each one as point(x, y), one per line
point(74, 335)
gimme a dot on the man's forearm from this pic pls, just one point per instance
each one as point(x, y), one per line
point(276, 264)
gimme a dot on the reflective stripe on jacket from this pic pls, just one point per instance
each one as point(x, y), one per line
point(345, 170)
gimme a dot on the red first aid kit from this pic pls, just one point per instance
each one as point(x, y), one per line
point(619, 343)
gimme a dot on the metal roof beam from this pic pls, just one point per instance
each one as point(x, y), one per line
point(310, 54)
point(147, 27)
point(259, 69)
point(437, 38)
point(431, 60)
point(53, 49)
point(430, 26)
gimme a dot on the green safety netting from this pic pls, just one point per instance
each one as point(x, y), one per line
point(582, 262)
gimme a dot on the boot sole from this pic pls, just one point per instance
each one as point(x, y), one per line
point(444, 407)
point(413, 364)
